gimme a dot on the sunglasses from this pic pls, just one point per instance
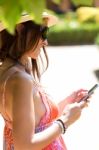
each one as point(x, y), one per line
point(44, 32)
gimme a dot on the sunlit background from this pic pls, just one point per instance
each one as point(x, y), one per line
point(73, 63)
point(72, 68)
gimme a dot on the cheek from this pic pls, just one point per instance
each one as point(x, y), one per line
point(35, 54)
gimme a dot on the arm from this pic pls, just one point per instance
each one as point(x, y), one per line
point(24, 119)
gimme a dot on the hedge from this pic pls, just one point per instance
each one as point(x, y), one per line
point(73, 33)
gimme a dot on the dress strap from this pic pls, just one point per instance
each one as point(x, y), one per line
point(10, 72)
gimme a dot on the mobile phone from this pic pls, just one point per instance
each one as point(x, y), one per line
point(90, 92)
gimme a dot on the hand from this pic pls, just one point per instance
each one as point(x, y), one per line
point(77, 96)
point(72, 112)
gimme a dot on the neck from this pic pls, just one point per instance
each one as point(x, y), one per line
point(26, 62)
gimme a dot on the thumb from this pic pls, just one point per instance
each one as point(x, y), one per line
point(83, 104)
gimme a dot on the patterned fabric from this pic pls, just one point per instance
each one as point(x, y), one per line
point(46, 120)
point(8, 140)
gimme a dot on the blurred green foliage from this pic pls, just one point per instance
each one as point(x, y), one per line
point(70, 31)
point(11, 10)
point(83, 2)
point(88, 14)
point(57, 1)
point(97, 40)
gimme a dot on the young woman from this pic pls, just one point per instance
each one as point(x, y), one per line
point(32, 120)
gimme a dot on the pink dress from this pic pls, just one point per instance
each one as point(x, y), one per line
point(46, 120)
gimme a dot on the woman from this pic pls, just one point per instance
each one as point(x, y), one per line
point(32, 120)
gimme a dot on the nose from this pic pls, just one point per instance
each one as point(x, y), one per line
point(45, 42)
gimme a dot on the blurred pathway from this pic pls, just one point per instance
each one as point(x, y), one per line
point(71, 68)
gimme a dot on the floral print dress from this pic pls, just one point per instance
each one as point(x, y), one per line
point(50, 115)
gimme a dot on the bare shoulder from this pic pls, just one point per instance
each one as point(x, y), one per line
point(21, 80)
point(20, 93)
point(19, 77)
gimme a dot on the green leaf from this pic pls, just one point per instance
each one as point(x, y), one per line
point(34, 8)
point(2, 2)
point(57, 1)
point(10, 12)
point(83, 2)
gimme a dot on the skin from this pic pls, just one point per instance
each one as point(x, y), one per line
point(22, 107)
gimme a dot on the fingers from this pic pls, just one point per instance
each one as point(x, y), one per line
point(73, 112)
point(82, 93)
point(78, 95)
point(81, 105)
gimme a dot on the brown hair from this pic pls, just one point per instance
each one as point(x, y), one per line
point(26, 37)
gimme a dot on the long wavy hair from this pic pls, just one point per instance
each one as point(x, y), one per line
point(26, 37)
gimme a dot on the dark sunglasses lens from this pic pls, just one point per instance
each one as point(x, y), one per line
point(45, 33)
